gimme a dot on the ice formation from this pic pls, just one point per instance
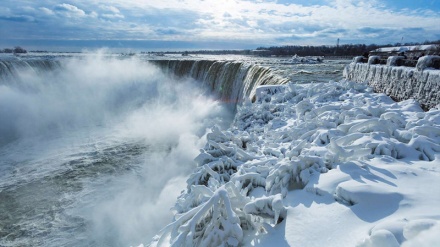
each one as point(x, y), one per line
point(307, 60)
point(399, 82)
point(288, 141)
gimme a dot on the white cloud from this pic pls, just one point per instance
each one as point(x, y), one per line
point(69, 10)
point(93, 14)
point(111, 9)
point(112, 16)
point(46, 11)
point(27, 9)
point(110, 12)
point(270, 21)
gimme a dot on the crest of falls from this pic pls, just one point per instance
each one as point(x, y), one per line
point(10, 70)
point(231, 81)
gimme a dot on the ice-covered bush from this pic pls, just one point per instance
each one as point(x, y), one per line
point(212, 223)
point(426, 62)
point(373, 59)
point(394, 60)
point(281, 144)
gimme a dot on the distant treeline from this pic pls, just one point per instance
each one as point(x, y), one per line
point(206, 52)
point(323, 50)
point(16, 49)
point(341, 50)
point(287, 50)
point(290, 50)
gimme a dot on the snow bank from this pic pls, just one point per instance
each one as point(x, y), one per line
point(302, 159)
point(407, 48)
point(401, 83)
point(306, 60)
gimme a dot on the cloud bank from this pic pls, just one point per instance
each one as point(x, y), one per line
point(270, 22)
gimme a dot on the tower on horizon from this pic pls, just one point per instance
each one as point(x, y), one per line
point(337, 46)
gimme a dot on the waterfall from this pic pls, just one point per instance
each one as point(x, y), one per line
point(11, 70)
point(100, 143)
point(231, 81)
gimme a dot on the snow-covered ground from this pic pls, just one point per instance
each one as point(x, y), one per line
point(407, 48)
point(328, 164)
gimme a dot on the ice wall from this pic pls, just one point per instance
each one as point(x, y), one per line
point(421, 83)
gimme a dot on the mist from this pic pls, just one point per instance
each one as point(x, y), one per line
point(127, 132)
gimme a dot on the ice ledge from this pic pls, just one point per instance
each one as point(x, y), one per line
point(421, 83)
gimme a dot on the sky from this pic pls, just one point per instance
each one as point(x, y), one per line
point(213, 24)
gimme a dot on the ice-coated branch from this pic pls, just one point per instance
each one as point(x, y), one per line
point(267, 207)
point(212, 223)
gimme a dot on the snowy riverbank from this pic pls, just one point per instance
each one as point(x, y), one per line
point(421, 83)
point(330, 164)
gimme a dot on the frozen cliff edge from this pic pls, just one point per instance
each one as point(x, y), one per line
point(401, 83)
point(334, 164)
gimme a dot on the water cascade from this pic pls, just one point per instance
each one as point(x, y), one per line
point(11, 70)
point(231, 81)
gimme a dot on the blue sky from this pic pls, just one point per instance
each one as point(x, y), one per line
point(213, 24)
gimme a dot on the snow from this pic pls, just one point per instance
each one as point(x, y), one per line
point(306, 60)
point(261, 91)
point(406, 48)
point(402, 83)
point(393, 60)
point(330, 164)
point(426, 238)
point(373, 59)
point(426, 62)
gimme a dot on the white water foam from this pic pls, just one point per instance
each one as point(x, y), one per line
point(96, 151)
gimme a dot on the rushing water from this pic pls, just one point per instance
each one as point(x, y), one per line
point(95, 149)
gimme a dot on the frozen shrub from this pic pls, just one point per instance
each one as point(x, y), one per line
point(267, 207)
point(274, 147)
point(426, 62)
point(212, 223)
